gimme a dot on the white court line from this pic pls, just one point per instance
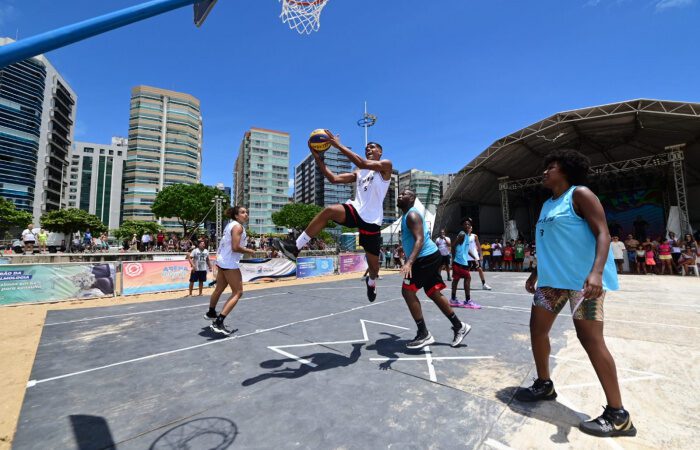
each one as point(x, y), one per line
point(198, 305)
point(527, 310)
point(219, 341)
point(434, 358)
point(429, 362)
point(497, 445)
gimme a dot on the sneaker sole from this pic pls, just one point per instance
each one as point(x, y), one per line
point(456, 344)
point(278, 245)
point(209, 318)
point(430, 340)
point(216, 330)
point(615, 433)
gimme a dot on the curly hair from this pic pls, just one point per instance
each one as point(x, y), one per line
point(232, 212)
point(573, 163)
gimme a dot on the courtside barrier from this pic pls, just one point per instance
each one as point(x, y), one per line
point(315, 266)
point(352, 262)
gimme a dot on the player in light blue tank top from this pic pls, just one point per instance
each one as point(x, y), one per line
point(422, 270)
point(575, 266)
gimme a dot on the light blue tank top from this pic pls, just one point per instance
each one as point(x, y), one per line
point(566, 247)
point(461, 249)
point(409, 241)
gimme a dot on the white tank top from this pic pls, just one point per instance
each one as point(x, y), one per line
point(370, 190)
point(442, 244)
point(472, 247)
point(225, 257)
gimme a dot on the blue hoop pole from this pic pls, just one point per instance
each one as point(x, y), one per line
point(51, 40)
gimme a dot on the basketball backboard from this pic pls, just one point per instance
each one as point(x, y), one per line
point(202, 10)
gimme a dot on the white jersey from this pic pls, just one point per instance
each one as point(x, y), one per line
point(443, 245)
point(225, 257)
point(472, 247)
point(370, 190)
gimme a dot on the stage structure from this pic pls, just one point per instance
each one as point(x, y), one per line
point(645, 157)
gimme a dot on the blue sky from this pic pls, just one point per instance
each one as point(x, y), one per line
point(445, 78)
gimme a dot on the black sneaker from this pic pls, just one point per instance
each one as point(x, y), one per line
point(220, 328)
point(210, 315)
point(421, 341)
point(460, 334)
point(613, 422)
point(371, 291)
point(540, 390)
point(288, 249)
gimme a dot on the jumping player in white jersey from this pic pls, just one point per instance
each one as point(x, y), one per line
point(366, 212)
point(231, 249)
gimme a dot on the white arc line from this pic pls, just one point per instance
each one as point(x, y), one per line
point(31, 383)
point(429, 362)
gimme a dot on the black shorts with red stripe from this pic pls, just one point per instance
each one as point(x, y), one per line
point(370, 234)
point(425, 273)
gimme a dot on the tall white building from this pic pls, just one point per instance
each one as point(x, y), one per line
point(95, 183)
point(37, 121)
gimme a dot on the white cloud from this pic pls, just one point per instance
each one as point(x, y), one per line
point(663, 5)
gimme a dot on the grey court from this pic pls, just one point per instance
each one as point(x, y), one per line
point(312, 366)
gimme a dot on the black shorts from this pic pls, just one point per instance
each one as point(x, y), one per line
point(445, 260)
point(198, 275)
point(473, 265)
point(370, 234)
point(425, 274)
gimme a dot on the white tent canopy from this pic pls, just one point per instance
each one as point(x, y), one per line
point(390, 234)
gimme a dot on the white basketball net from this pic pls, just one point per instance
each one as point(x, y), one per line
point(303, 16)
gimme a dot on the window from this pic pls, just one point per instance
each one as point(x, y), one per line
point(88, 150)
point(111, 152)
point(102, 151)
point(119, 153)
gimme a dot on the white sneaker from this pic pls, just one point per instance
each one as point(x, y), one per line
point(486, 287)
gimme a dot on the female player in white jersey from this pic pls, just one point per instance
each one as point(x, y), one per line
point(228, 256)
point(366, 212)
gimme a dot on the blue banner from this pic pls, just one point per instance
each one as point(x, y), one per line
point(314, 266)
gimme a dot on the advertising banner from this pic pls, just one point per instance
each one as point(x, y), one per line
point(156, 276)
point(31, 283)
point(260, 269)
point(314, 266)
point(352, 262)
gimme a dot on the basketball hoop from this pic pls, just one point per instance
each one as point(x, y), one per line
point(305, 17)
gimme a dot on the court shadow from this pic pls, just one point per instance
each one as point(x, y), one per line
point(319, 361)
point(559, 415)
point(212, 336)
point(214, 433)
point(91, 432)
point(389, 347)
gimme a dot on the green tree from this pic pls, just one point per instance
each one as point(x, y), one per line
point(11, 217)
point(70, 221)
point(137, 227)
point(297, 216)
point(188, 204)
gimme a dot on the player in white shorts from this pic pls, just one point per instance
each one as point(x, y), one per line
point(365, 212)
point(228, 257)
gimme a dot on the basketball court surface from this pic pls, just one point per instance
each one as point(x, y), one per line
point(317, 366)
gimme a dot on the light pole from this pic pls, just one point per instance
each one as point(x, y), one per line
point(367, 121)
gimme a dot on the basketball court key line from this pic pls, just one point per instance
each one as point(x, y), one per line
point(32, 383)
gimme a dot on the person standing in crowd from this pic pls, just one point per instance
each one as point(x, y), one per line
point(387, 257)
point(444, 246)
point(497, 255)
point(200, 264)
point(160, 240)
point(87, 240)
point(460, 268)
point(631, 245)
point(397, 256)
point(618, 250)
point(145, 241)
point(475, 249)
point(688, 240)
point(231, 249)
point(519, 255)
point(688, 258)
point(649, 258)
point(42, 238)
point(640, 260)
point(508, 257)
point(665, 258)
point(422, 270)
point(134, 243)
point(579, 272)
point(486, 255)
point(675, 250)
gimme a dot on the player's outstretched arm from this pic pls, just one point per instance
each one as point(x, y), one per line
point(384, 165)
point(341, 178)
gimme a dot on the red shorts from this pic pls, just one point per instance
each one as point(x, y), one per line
point(459, 271)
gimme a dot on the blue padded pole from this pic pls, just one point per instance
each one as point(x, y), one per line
point(51, 40)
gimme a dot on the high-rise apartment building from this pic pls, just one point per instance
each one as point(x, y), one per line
point(312, 187)
point(37, 117)
point(261, 177)
point(165, 148)
point(95, 179)
point(391, 211)
point(426, 185)
point(445, 181)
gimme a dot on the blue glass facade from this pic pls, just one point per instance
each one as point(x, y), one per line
point(21, 100)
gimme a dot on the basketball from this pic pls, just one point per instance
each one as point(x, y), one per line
point(319, 140)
